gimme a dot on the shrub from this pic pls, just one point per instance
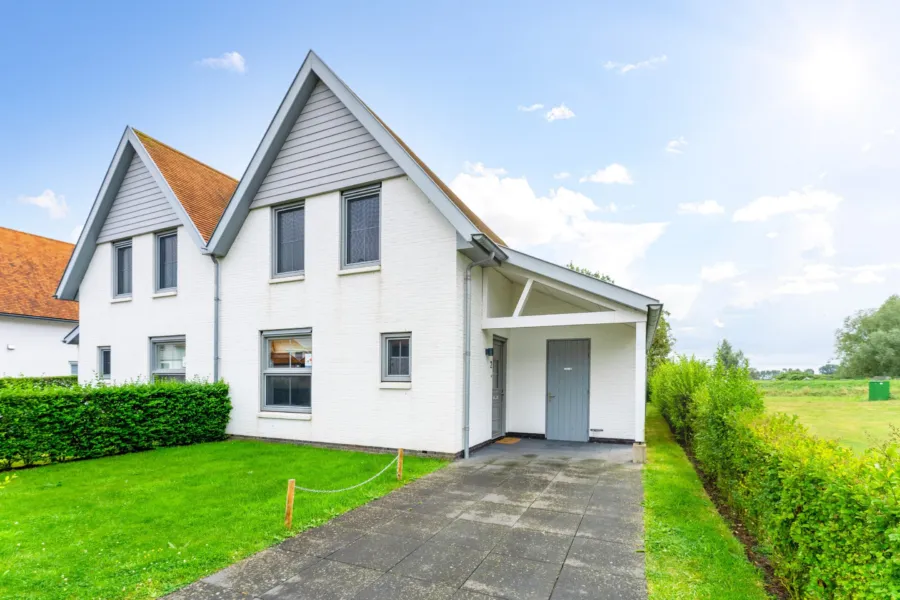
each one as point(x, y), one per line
point(56, 424)
point(673, 386)
point(38, 382)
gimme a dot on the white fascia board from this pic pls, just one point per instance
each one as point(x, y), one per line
point(312, 70)
point(594, 318)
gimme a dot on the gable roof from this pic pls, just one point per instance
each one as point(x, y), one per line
point(196, 192)
point(30, 266)
point(311, 72)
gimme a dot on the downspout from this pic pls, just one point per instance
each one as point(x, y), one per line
point(467, 344)
point(216, 302)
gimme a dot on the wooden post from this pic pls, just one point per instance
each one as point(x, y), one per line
point(289, 505)
point(399, 464)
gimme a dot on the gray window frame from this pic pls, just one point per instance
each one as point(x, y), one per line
point(115, 273)
point(275, 274)
point(100, 373)
point(73, 367)
point(386, 339)
point(265, 370)
point(157, 265)
point(168, 339)
point(356, 194)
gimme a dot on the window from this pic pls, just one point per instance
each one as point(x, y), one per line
point(361, 227)
point(104, 362)
point(395, 357)
point(167, 358)
point(287, 371)
point(73, 367)
point(166, 261)
point(287, 250)
point(122, 269)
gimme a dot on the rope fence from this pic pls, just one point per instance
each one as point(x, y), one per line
point(289, 504)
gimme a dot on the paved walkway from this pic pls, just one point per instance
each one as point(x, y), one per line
point(532, 520)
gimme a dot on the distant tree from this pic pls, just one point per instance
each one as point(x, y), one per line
point(589, 273)
point(829, 369)
point(868, 344)
point(755, 374)
point(728, 356)
point(660, 350)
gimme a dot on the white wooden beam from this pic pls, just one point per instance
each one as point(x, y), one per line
point(640, 380)
point(523, 298)
point(592, 318)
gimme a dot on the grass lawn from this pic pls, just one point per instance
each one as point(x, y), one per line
point(838, 410)
point(142, 525)
point(691, 553)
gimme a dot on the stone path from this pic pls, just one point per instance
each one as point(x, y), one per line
point(529, 521)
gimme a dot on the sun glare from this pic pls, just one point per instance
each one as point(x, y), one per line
point(831, 74)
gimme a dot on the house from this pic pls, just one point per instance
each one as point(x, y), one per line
point(33, 324)
point(347, 295)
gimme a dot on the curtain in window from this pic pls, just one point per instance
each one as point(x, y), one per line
point(168, 262)
point(169, 356)
point(398, 358)
point(362, 229)
point(123, 270)
point(290, 240)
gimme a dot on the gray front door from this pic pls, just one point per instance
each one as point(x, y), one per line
point(498, 392)
point(568, 389)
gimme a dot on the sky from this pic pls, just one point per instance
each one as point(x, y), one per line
point(736, 160)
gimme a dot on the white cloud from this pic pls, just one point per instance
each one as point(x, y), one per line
point(807, 199)
point(677, 145)
point(531, 107)
point(650, 63)
point(815, 278)
point(53, 203)
point(229, 61)
point(707, 207)
point(823, 175)
point(718, 323)
point(772, 235)
point(558, 225)
point(869, 277)
point(562, 175)
point(866, 147)
point(558, 113)
point(479, 169)
point(678, 298)
point(890, 131)
point(719, 272)
point(614, 173)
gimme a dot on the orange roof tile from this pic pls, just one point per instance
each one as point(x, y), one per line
point(203, 191)
point(30, 268)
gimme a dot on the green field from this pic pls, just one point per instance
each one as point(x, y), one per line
point(836, 409)
point(141, 525)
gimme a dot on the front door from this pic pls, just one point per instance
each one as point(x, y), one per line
point(498, 396)
point(568, 389)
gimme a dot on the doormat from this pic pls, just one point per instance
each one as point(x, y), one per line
point(508, 440)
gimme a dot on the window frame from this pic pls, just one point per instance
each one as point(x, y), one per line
point(386, 339)
point(115, 272)
point(100, 373)
point(274, 273)
point(264, 369)
point(73, 364)
point(167, 339)
point(346, 197)
point(157, 265)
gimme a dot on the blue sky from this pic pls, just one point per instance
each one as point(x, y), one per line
point(737, 160)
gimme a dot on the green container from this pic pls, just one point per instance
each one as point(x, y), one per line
point(879, 390)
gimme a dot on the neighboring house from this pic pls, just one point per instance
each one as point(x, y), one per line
point(33, 324)
point(339, 243)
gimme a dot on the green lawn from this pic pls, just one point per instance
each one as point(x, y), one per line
point(142, 525)
point(817, 387)
point(691, 553)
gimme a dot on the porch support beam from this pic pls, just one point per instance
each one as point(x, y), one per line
point(593, 318)
point(640, 380)
point(523, 298)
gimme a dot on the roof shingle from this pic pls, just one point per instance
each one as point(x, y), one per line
point(30, 268)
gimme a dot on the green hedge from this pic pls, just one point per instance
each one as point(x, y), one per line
point(38, 382)
point(56, 424)
point(828, 518)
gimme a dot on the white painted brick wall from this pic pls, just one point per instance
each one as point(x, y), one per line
point(37, 347)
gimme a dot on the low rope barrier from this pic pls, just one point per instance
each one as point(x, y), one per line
point(289, 506)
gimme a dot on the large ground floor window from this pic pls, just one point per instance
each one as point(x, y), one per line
point(168, 358)
point(287, 370)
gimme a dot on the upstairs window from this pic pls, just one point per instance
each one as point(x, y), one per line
point(288, 239)
point(122, 269)
point(104, 362)
point(287, 371)
point(361, 227)
point(395, 357)
point(167, 261)
point(168, 358)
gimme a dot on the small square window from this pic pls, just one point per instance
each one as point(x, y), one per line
point(168, 358)
point(73, 367)
point(396, 357)
point(104, 362)
point(167, 261)
point(122, 269)
point(361, 237)
point(287, 241)
point(287, 371)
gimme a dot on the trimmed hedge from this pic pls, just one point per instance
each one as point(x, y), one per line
point(828, 518)
point(39, 382)
point(57, 424)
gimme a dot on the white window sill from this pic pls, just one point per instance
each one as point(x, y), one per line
point(395, 385)
point(119, 300)
point(168, 294)
point(287, 279)
point(288, 416)
point(356, 270)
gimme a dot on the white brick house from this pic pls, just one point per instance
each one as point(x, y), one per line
point(339, 243)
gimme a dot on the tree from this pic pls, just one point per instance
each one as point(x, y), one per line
point(589, 273)
point(730, 357)
point(868, 344)
point(829, 369)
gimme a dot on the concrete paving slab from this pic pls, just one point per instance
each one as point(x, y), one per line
point(583, 584)
point(550, 521)
point(262, 571)
point(395, 587)
point(612, 529)
point(200, 590)
point(607, 557)
point(441, 562)
point(494, 513)
point(481, 536)
point(326, 580)
point(321, 541)
point(534, 545)
point(513, 578)
point(413, 525)
point(376, 551)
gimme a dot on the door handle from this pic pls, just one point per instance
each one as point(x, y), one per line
point(550, 396)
